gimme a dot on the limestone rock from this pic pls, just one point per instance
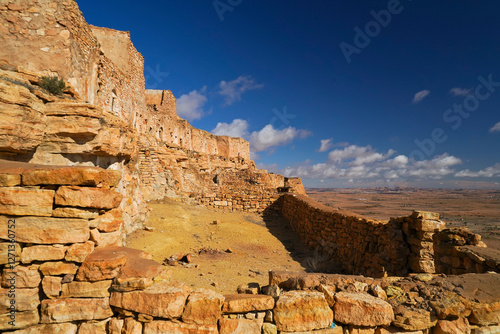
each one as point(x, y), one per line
point(302, 311)
point(79, 252)
point(26, 202)
point(485, 313)
point(75, 289)
point(361, 309)
point(51, 286)
point(58, 268)
point(459, 326)
point(204, 307)
point(112, 239)
point(26, 300)
point(243, 303)
point(486, 330)
point(415, 320)
point(73, 176)
point(395, 330)
point(23, 320)
point(9, 180)
point(101, 265)
point(329, 292)
point(69, 212)
point(240, 326)
point(7, 248)
point(24, 276)
point(22, 123)
point(88, 197)
point(131, 326)
point(73, 309)
point(109, 222)
point(451, 305)
point(43, 253)
point(93, 327)
point(115, 326)
point(159, 327)
point(45, 230)
point(164, 300)
point(64, 328)
point(269, 328)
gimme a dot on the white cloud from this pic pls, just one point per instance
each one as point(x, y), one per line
point(326, 144)
point(237, 128)
point(232, 90)
point(495, 128)
point(364, 163)
point(269, 137)
point(190, 106)
point(457, 91)
point(421, 95)
point(493, 171)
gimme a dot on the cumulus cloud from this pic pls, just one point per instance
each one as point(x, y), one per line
point(232, 90)
point(190, 106)
point(326, 144)
point(457, 91)
point(421, 95)
point(495, 128)
point(493, 171)
point(364, 163)
point(237, 128)
point(270, 137)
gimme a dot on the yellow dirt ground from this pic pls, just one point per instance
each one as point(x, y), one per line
point(256, 246)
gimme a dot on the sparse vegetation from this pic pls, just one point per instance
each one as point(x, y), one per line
point(52, 84)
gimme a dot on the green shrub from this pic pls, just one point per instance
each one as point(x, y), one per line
point(52, 84)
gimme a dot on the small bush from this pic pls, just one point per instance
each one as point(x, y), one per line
point(52, 84)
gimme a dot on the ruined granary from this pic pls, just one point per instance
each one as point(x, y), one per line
point(77, 171)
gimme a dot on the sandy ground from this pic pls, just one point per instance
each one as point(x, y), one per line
point(242, 247)
point(255, 246)
point(478, 210)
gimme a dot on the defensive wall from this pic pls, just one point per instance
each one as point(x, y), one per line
point(64, 270)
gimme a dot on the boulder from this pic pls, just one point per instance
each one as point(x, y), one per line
point(362, 309)
point(84, 197)
point(73, 176)
point(414, 320)
point(58, 268)
point(79, 252)
point(204, 307)
point(163, 300)
point(459, 326)
point(302, 311)
point(243, 303)
point(51, 286)
point(486, 313)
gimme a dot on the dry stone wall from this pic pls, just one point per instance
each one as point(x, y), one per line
point(354, 244)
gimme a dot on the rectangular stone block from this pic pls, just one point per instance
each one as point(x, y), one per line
point(64, 328)
point(10, 180)
point(43, 253)
point(243, 303)
point(88, 197)
point(25, 300)
point(23, 320)
point(17, 201)
point(98, 289)
point(163, 300)
point(24, 277)
point(159, 327)
point(63, 212)
point(237, 326)
point(75, 309)
point(72, 176)
point(46, 230)
point(58, 268)
point(51, 286)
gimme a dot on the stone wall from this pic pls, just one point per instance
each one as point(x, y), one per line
point(355, 244)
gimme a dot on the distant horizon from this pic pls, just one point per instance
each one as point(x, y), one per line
point(372, 93)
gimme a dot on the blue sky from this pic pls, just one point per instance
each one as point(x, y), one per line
point(342, 94)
